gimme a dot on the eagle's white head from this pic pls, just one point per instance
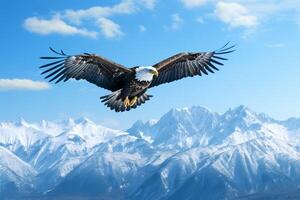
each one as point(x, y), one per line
point(145, 73)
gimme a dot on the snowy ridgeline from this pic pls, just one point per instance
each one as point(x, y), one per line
point(190, 153)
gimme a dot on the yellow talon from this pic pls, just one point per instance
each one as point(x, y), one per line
point(129, 103)
point(126, 102)
point(132, 101)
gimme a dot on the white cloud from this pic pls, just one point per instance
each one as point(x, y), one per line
point(22, 84)
point(193, 3)
point(55, 25)
point(235, 14)
point(124, 7)
point(142, 28)
point(68, 22)
point(76, 16)
point(150, 4)
point(250, 13)
point(109, 28)
point(176, 22)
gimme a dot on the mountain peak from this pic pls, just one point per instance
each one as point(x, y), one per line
point(198, 109)
point(22, 122)
point(83, 120)
point(201, 108)
point(242, 109)
point(241, 112)
point(187, 112)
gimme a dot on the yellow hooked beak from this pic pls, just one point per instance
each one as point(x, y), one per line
point(154, 72)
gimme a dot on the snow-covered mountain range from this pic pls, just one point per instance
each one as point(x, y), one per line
point(190, 153)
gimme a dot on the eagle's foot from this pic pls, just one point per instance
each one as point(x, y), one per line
point(126, 102)
point(132, 101)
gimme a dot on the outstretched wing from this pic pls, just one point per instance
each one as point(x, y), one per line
point(95, 69)
point(188, 65)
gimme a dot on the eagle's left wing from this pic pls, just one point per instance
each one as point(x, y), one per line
point(188, 64)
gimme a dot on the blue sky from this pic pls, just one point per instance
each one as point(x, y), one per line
point(263, 73)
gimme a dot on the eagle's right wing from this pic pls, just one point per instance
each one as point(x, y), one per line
point(95, 69)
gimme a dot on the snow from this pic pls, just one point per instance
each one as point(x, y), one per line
point(12, 162)
point(243, 151)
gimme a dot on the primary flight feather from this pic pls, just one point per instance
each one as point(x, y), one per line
point(129, 85)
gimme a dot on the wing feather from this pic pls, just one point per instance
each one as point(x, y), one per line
point(189, 64)
point(95, 69)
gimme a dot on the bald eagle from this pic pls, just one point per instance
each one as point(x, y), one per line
point(129, 85)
